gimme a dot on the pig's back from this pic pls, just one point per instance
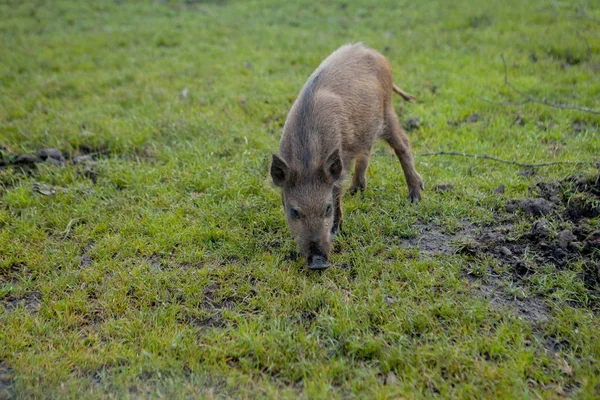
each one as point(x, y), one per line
point(361, 78)
point(340, 106)
point(353, 71)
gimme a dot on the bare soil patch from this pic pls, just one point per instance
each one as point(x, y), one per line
point(6, 381)
point(31, 302)
point(560, 236)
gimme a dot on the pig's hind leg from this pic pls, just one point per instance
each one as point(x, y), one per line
point(397, 139)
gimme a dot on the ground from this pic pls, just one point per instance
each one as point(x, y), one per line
point(148, 256)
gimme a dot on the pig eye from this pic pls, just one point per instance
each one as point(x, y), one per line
point(329, 210)
point(294, 213)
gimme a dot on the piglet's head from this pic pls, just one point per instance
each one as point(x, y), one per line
point(309, 206)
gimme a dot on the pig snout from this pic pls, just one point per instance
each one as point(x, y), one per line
point(317, 263)
point(317, 258)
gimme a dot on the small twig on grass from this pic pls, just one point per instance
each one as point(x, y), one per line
point(531, 99)
point(520, 164)
point(69, 226)
point(504, 103)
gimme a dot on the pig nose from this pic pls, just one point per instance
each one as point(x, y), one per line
point(318, 262)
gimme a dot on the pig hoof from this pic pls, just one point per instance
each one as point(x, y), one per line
point(352, 190)
point(414, 196)
point(334, 232)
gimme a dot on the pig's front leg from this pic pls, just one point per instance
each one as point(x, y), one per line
point(337, 216)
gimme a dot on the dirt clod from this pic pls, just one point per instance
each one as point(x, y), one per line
point(565, 238)
point(537, 206)
point(519, 120)
point(82, 159)
point(512, 207)
point(473, 118)
point(443, 187)
point(26, 159)
point(86, 260)
point(412, 124)
point(533, 57)
point(348, 267)
point(527, 172)
point(51, 154)
point(91, 174)
point(539, 229)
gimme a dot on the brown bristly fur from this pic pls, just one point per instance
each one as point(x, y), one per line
point(345, 105)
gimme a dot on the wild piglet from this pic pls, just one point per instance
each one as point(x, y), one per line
point(344, 106)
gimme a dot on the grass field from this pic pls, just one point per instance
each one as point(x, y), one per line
point(155, 261)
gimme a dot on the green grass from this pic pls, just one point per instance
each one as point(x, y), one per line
point(190, 290)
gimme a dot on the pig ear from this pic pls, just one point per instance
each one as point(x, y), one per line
point(333, 165)
point(280, 171)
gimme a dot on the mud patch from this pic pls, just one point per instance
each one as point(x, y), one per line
point(163, 262)
point(578, 126)
point(527, 172)
point(16, 167)
point(49, 156)
point(413, 124)
point(474, 117)
point(532, 309)
point(445, 187)
point(212, 306)
point(53, 156)
point(561, 235)
point(86, 260)
point(434, 240)
point(30, 302)
point(210, 299)
point(7, 377)
point(156, 262)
